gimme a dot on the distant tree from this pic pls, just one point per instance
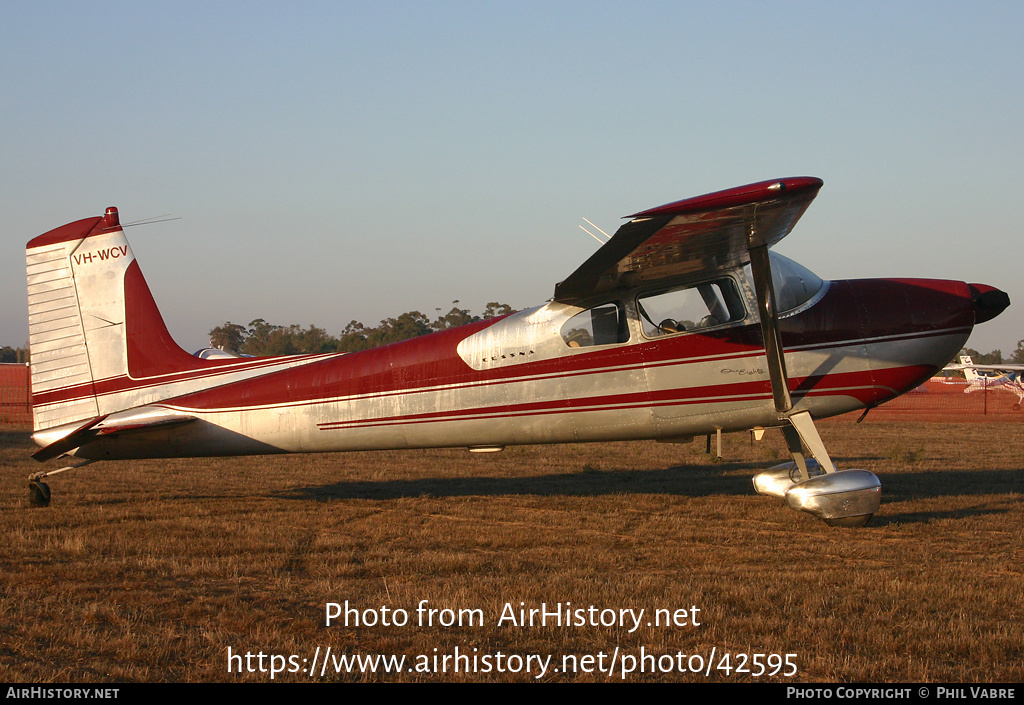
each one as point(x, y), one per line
point(1018, 354)
point(230, 336)
point(262, 338)
point(993, 358)
point(454, 318)
point(17, 355)
point(316, 340)
point(353, 338)
point(391, 330)
point(495, 309)
point(284, 341)
point(357, 336)
point(257, 341)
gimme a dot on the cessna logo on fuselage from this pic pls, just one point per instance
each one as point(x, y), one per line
point(741, 372)
point(101, 255)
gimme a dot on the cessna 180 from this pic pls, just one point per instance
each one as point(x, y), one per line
point(683, 323)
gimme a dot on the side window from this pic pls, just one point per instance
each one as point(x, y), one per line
point(601, 325)
point(692, 308)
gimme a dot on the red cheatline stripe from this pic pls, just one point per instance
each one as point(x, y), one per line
point(123, 383)
point(745, 391)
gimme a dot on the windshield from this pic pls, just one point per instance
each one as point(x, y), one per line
point(794, 284)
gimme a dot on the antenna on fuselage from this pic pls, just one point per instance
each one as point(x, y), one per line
point(149, 221)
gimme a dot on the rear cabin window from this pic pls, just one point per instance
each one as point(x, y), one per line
point(707, 305)
point(600, 325)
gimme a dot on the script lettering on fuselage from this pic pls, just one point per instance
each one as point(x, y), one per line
point(749, 371)
point(101, 255)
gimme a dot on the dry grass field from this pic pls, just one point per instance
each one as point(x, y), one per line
point(151, 571)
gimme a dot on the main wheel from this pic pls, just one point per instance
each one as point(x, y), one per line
point(38, 493)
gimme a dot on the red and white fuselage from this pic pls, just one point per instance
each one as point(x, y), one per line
point(101, 355)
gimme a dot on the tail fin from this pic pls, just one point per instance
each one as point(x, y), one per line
point(970, 373)
point(95, 334)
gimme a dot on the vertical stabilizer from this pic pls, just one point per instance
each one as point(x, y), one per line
point(970, 374)
point(82, 324)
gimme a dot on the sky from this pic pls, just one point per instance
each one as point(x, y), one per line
point(337, 161)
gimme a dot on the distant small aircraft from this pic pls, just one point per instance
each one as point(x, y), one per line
point(683, 323)
point(1006, 377)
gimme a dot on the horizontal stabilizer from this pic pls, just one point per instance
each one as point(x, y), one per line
point(143, 417)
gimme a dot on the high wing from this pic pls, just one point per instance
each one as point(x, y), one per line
point(966, 363)
point(709, 233)
point(985, 368)
point(702, 234)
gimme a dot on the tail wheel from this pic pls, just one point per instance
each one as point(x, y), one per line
point(38, 493)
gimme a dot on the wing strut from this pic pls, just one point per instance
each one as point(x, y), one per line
point(760, 267)
point(840, 498)
point(805, 431)
point(801, 426)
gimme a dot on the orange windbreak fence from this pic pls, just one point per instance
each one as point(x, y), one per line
point(951, 399)
point(15, 407)
point(938, 399)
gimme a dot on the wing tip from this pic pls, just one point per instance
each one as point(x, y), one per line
point(738, 196)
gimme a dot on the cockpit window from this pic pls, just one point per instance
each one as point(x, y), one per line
point(794, 284)
point(601, 325)
point(705, 305)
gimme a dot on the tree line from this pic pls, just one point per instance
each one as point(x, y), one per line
point(261, 338)
point(996, 356)
point(9, 354)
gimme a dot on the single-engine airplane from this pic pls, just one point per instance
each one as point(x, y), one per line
point(683, 323)
point(981, 378)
